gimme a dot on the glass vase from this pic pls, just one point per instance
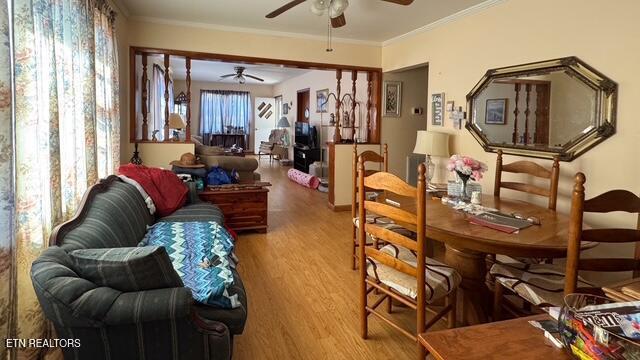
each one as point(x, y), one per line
point(464, 196)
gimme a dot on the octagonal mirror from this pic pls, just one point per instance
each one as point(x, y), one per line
point(560, 107)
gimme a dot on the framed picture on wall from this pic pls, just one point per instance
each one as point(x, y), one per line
point(392, 98)
point(321, 100)
point(496, 112)
point(285, 109)
point(437, 109)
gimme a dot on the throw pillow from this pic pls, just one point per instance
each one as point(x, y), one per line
point(127, 269)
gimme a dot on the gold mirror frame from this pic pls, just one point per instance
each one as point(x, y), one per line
point(606, 103)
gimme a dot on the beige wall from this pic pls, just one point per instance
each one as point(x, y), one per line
point(255, 90)
point(147, 34)
point(399, 133)
point(606, 37)
point(343, 188)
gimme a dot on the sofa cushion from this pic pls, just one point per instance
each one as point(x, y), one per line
point(235, 319)
point(116, 217)
point(127, 269)
point(202, 211)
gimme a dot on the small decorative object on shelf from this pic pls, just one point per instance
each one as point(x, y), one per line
point(154, 135)
point(466, 168)
point(135, 159)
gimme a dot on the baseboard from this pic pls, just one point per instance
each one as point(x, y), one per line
point(338, 208)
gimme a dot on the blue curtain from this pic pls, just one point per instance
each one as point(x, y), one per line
point(221, 108)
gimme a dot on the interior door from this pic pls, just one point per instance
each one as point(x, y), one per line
point(264, 120)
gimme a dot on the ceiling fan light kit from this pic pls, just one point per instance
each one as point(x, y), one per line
point(333, 8)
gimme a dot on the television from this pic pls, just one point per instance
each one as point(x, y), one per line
point(305, 135)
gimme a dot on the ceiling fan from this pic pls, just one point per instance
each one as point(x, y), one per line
point(240, 76)
point(334, 8)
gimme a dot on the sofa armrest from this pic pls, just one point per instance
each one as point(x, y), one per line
point(150, 305)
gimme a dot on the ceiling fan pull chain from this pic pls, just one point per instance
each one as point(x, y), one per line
point(329, 45)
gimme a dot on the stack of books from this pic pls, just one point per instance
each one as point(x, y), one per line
point(436, 187)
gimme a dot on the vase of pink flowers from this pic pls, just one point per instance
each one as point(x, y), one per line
point(467, 168)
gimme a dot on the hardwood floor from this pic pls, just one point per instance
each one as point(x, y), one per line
point(302, 292)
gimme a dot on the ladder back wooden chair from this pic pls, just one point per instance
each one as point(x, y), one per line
point(546, 284)
point(400, 269)
point(533, 169)
point(371, 157)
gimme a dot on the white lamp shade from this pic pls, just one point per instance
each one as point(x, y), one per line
point(176, 122)
point(338, 7)
point(432, 143)
point(318, 7)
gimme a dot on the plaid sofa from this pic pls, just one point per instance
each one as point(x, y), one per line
point(121, 301)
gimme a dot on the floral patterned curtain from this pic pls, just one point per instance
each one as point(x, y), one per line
point(66, 128)
point(6, 181)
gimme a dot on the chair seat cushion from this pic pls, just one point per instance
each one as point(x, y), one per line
point(441, 279)
point(386, 223)
point(539, 284)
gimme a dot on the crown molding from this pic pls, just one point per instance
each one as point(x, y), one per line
point(446, 20)
point(237, 29)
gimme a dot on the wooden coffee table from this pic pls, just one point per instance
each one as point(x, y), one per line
point(243, 208)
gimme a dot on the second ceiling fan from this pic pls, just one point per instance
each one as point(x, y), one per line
point(335, 9)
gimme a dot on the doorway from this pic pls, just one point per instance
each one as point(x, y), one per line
point(302, 105)
point(264, 120)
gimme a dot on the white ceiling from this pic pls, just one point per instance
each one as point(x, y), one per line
point(367, 20)
point(210, 71)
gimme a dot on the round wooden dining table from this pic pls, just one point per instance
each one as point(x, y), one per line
point(467, 245)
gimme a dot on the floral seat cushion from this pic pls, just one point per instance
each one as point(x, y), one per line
point(539, 284)
point(441, 279)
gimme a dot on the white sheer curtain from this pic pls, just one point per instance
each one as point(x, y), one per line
point(156, 116)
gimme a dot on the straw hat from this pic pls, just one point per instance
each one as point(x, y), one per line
point(187, 160)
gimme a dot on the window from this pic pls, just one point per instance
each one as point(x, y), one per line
point(224, 112)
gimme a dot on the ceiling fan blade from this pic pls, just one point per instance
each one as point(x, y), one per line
point(284, 8)
point(339, 21)
point(400, 2)
point(228, 75)
point(253, 77)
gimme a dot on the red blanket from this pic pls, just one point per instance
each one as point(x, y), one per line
point(166, 190)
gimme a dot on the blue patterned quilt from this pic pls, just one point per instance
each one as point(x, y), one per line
point(202, 254)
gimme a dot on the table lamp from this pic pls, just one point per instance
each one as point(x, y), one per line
point(284, 122)
point(176, 123)
point(431, 143)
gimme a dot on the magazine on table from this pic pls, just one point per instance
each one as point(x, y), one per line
point(499, 221)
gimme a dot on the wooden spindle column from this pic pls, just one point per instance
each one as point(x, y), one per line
point(337, 137)
point(166, 97)
point(188, 81)
point(369, 104)
point(526, 114)
point(354, 79)
point(145, 95)
point(515, 119)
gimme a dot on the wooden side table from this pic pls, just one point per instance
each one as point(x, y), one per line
point(510, 339)
point(243, 209)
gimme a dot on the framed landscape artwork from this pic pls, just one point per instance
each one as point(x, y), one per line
point(321, 100)
point(496, 111)
point(392, 98)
